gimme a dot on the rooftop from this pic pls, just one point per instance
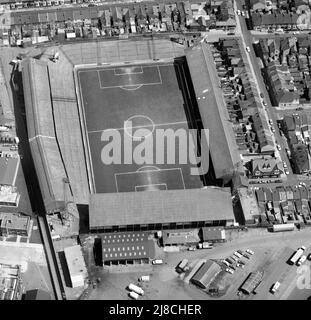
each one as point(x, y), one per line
point(151, 207)
point(8, 170)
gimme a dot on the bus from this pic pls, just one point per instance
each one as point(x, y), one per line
point(296, 256)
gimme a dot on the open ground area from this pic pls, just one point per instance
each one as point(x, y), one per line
point(135, 101)
point(271, 254)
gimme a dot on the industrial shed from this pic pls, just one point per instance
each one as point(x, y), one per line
point(206, 274)
point(251, 282)
point(127, 248)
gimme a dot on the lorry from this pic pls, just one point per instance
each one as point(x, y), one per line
point(136, 289)
point(296, 256)
point(144, 278)
point(157, 261)
point(283, 227)
point(205, 245)
point(275, 287)
point(134, 295)
point(182, 266)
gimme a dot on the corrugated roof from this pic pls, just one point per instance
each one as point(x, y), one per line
point(252, 281)
point(205, 275)
point(128, 208)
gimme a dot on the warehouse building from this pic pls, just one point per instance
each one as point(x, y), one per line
point(127, 248)
point(170, 209)
point(206, 274)
point(76, 265)
point(251, 282)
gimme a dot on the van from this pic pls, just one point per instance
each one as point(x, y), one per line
point(157, 261)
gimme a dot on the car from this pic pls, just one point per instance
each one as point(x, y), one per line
point(191, 248)
point(309, 257)
point(264, 103)
point(278, 147)
point(238, 12)
point(234, 258)
point(229, 260)
point(241, 262)
point(240, 265)
point(243, 13)
point(251, 252)
point(299, 108)
point(238, 255)
point(232, 267)
point(272, 129)
point(226, 263)
point(284, 164)
point(248, 49)
point(240, 252)
point(229, 270)
point(230, 33)
point(286, 172)
point(270, 121)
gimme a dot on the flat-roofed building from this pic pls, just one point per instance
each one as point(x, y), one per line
point(14, 224)
point(180, 237)
point(213, 234)
point(76, 265)
point(8, 170)
point(161, 210)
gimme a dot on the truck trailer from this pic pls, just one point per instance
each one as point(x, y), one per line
point(283, 227)
point(136, 289)
point(296, 256)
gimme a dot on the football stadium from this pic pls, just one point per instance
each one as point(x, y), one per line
point(129, 90)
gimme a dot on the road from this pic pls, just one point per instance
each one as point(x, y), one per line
point(247, 39)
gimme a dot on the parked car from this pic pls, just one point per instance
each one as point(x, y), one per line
point(261, 95)
point(250, 251)
point(248, 49)
point(309, 257)
point(229, 270)
point(278, 147)
point(240, 265)
point(240, 252)
point(238, 255)
point(234, 258)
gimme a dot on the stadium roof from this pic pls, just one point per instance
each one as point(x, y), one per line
point(128, 208)
point(54, 131)
point(127, 246)
point(213, 110)
point(8, 170)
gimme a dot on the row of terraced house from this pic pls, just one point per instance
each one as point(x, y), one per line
point(29, 27)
